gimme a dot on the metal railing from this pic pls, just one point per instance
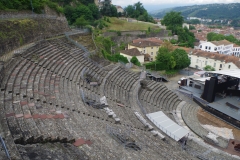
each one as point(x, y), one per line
point(5, 148)
point(87, 53)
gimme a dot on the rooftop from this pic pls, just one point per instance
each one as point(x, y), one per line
point(142, 44)
point(131, 52)
point(222, 42)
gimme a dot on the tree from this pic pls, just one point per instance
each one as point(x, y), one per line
point(139, 12)
point(173, 20)
point(129, 10)
point(164, 56)
point(135, 61)
point(108, 9)
point(181, 58)
point(185, 37)
point(209, 68)
point(95, 11)
point(81, 22)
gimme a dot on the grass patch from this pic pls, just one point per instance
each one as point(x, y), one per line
point(122, 25)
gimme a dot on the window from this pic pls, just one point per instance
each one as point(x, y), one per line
point(214, 65)
point(206, 47)
point(151, 53)
point(220, 65)
point(144, 51)
point(229, 66)
point(152, 47)
point(205, 62)
point(197, 61)
point(209, 48)
point(215, 49)
point(200, 46)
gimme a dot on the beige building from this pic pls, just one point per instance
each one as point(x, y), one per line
point(132, 52)
point(200, 59)
point(148, 47)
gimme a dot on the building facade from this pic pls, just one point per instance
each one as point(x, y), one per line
point(223, 47)
point(148, 46)
point(200, 59)
point(132, 52)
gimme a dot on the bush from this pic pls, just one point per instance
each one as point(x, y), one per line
point(158, 65)
point(171, 72)
point(100, 26)
point(135, 61)
point(173, 41)
point(119, 33)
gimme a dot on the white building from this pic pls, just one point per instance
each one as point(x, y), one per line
point(132, 52)
point(222, 47)
point(185, 25)
point(200, 59)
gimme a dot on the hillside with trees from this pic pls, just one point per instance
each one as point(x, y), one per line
point(209, 11)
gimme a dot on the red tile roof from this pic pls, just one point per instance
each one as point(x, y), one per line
point(148, 42)
point(131, 52)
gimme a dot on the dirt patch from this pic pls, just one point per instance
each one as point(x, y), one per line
point(206, 118)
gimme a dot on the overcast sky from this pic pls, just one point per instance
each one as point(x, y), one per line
point(155, 4)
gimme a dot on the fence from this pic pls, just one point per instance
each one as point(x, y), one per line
point(87, 53)
point(24, 16)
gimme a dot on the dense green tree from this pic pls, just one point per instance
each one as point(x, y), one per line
point(129, 10)
point(89, 12)
point(139, 12)
point(108, 9)
point(80, 22)
point(95, 11)
point(185, 37)
point(173, 21)
point(135, 61)
point(181, 58)
point(164, 56)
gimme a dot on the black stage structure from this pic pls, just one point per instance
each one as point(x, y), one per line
point(218, 92)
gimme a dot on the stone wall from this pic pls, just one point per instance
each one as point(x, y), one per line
point(22, 28)
point(15, 33)
point(163, 34)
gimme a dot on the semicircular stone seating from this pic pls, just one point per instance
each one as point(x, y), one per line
point(42, 106)
point(157, 97)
